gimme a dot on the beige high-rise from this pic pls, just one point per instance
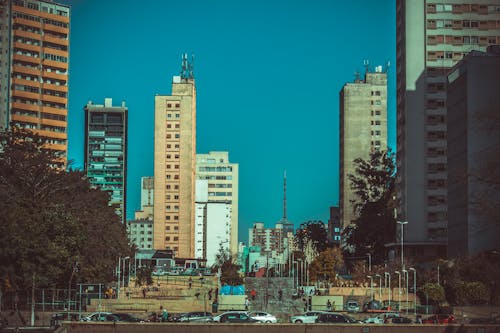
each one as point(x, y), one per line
point(174, 168)
point(363, 128)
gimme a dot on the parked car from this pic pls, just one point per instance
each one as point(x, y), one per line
point(399, 320)
point(337, 318)
point(101, 316)
point(351, 306)
point(263, 317)
point(128, 318)
point(374, 320)
point(372, 305)
point(439, 319)
point(198, 316)
point(307, 318)
point(218, 317)
point(235, 317)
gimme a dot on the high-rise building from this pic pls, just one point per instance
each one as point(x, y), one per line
point(473, 138)
point(174, 166)
point(34, 58)
point(106, 151)
point(222, 177)
point(432, 36)
point(363, 129)
point(147, 191)
point(212, 224)
point(334, 227)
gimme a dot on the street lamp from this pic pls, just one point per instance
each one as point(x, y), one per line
point(399, 286)
point(402, 223)
point(299, 270)
point(369, 262)
point(414, 290)
point(405, 272)
point(389, 279)
point(371, 284)
point(379, 286)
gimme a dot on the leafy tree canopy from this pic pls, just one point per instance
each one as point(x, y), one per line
point(229, 270)
point(313, 232)
point(325, 266)
point(52, 220)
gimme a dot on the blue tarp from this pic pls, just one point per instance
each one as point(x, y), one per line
point(232, 290)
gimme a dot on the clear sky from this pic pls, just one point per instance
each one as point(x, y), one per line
point(268, 75)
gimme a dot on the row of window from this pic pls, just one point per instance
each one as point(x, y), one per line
point(176, 228)
point(177, 125)
point(462, 8)
point(39, 19)
point(436, 200)
point(54, 57)
point(171, 105)
point(215, 169)
point(175, 238)
point(175, 115)
point(176, 136)
point(436, 167)
point(168, 207)
point(220, 185)
point(217, 177)
point(175, 218)
point(220, 194)
point(463, 24)
point(46, 9)
point(462, 40)
point(169, 187)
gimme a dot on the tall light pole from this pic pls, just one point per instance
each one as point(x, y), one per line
point(414, 290)
point(402, 223)
point(118, 280)
point(399, 298)
point(379, 286)
point(389, 279)
point(295, 263)
point(405, 272)
point(299, 270)
point(371, 284)
point(369, 262)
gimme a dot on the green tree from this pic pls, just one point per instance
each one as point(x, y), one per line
point(432, 292)
point(472, 293)
point(325, 266)
point(313, 232)
point(373, 184)
point(229, 270)
point(52, 221)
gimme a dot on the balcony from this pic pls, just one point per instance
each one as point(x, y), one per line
point(51, 110)
point(55, 40)
point(24, 82)
point(54, 75)
point(30, 47)
point(26, 70)
point(37, 13)
point(28, 23)
point(54, 99)
point(52, 122)
point(27, 34)
point(25, 119)
point(55, 64)
point(50, 134)
point(23, 106)
point(55, 28)
point(25, 94)
point(55, 52)
point(31, 60)
point(55, 87)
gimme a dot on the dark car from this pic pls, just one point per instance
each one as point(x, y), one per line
point(236, 317)
point(198, 316)
point(335, 318)
point(400, 320)
point(439, 319)
point(128, 318)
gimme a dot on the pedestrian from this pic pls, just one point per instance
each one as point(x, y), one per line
point(309, 303)
point(246, 303)
point(419, 319)
point(329, 305)
point(305, 305)
point(333, 306)
point(280, 294)
point(253, 293)
point(190, 282)
point(144, 292)
point(210, 294)
point(163, 315)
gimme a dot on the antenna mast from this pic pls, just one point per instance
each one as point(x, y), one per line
point(284, 196)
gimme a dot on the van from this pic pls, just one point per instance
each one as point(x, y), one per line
point(352, 306)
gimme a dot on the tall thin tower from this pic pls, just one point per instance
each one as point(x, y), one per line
point(174, 168)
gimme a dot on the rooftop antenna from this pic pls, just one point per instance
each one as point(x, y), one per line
point(356, 77)
point(191, 67)
point(387, 65)
point(366, 63)
point(284, 196)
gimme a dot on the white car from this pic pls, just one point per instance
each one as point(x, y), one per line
point(374, 320)
point(263, 317)
point(307, 318)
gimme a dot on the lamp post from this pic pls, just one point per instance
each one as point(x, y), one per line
point(414, 290)
point(405, 272)
point(299, 270)
point(389, 279)
point(399, 286)
point(371, 284)
point(379, 286)
point(369, 262)
point(402, 223)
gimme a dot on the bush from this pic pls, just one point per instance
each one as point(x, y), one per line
point(472, 293)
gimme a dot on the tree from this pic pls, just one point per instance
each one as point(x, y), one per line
point(229, 270)
point(325, 266)
point(52, 221)
point(313, 232)
point(373, 184)
point(432, 292)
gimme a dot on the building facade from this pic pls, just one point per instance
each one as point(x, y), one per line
point(222, 178)
point(34, 59)
point(363, 129)
point(174, 166)
point(473, 139)
point(334, 226)
point(140, 233)
point(106, 151)
point(147, 191)
point(432, 36)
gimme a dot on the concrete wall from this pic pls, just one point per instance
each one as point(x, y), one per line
point(80, 327)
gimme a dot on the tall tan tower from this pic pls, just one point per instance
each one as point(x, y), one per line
point(34, 58)
point(363, 128)
point(174, 168)
point(432, 36)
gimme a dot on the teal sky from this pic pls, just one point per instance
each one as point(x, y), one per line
point(268, 75)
